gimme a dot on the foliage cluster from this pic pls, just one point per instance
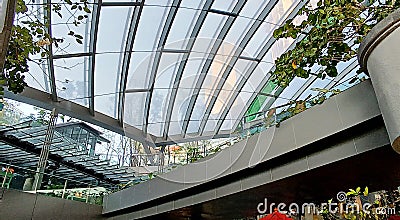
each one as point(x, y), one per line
point(330, 34)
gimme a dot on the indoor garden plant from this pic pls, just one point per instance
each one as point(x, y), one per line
point(335, 31)
point(30, 36)
point(327, 31)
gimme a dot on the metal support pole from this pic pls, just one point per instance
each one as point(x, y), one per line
point(44, 154)
point(5, 177)
point(65, 187)
point(87, 195)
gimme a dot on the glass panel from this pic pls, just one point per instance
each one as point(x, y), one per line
point(150, 26)
point(181, 28)
point(175, 127)
point(208, 33)
point(280, 101)
point(192, 4)
point(343, 65)
point(260, 99)
point(156, 128)
point(70, 46)
point(255, 79)
point(158, 2)
point(230, 84)
point(167, 68)
point(72, 79)
point(61, 26)
point(343, 83)
point(106, 104)
point(158, 105)
point(253, 8)
point(181, 104)
point(134, 108)
point(224, 5)
point(210, 126)
point(139, 70)
point(106, 81)
point(281, 10)
point(265, 66)
point(219, 105)
point(293, 87)
point(236, 75)
point(186, 86)
point(201, 104)
point(238, 106)
point(112, 35)
point(107, 75)
point(277, 49)
point(278, 14)
point(238, 30)
point(318, 83)
point(259, 39)
point(193, 127)
point(219, 65)
point(37, 76)
point(227, 125)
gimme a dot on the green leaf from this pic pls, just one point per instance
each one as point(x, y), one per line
point(87, 10)
point(366, 191)
point(320, 90)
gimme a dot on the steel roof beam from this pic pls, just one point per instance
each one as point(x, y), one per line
point(179, 73)
point(52, 78)
point(72, 55)
point(253, 29)
point(108, 4)
point(157, 58)
point(207, 65)
point(41, 99)
point(233, 13)
point(92, 49)
point(126, 60)
point(250, 71)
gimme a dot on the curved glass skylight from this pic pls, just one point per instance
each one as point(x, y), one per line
point(163, 71)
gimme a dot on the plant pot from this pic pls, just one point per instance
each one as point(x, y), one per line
point(379, 57)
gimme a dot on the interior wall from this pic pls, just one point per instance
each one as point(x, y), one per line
point(19, 205)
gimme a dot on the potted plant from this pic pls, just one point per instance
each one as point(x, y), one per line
point(330, 32)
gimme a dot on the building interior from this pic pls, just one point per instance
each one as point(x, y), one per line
point(168, 109)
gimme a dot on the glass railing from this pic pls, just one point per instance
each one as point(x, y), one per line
point(274, 116)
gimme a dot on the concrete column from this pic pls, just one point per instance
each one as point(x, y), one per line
point(379, 56)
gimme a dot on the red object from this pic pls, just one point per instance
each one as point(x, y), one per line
point(276, 216)
point(394, 217)
point(174, 148)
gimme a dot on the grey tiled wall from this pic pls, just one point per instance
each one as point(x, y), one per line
point(345, 110)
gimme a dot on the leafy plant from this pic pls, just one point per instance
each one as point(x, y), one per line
point(327, 34)
point(357, 204)
point(30, 36)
